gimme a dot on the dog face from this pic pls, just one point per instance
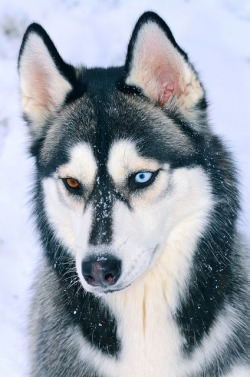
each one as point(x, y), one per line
point(119, 171)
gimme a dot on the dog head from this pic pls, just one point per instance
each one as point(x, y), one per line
point(117, 154)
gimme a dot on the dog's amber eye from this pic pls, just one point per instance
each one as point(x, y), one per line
point(72, 183)
point(73, 186)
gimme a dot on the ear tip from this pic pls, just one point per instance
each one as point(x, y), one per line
point(33, 29)
point(152, 17)
point(149, 16)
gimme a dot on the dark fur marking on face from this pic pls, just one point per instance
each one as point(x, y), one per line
point(97, 323)
point(102, 200)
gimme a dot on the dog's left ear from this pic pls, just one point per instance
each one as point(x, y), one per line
point(159, 67)
point(45, 79)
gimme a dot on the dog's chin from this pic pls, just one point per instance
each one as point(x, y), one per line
point(101, 292)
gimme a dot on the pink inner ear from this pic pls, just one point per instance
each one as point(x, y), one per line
point(42, 82)
point(167, 84)
point(157, 65)
point(167, 91)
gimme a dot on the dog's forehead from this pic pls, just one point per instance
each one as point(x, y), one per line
point(102, 119)
point(123, 158)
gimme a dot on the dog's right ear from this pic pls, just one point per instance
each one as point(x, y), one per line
point(44, 78)
point(159, 68)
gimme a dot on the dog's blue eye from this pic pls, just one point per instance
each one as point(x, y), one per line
point(143, 177)
point(141, 180)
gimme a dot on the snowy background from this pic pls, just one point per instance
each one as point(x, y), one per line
point(216, 35)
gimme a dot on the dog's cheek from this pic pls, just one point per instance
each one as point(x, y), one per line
point(65, 217)
point(137, 233)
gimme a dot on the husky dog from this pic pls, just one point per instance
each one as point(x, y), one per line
point(136, 203)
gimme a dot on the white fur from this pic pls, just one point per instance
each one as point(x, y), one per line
point(239, 371)
point(152, 341)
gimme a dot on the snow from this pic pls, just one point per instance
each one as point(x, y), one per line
point(95, 32)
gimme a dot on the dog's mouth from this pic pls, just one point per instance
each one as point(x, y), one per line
point(103, 291)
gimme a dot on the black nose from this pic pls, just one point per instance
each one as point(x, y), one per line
point(101, 270)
